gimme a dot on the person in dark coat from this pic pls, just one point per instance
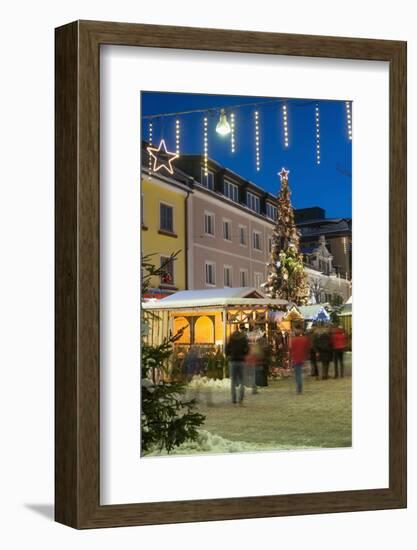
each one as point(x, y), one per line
point(323, 346)
point(338, 341)
point(236, 350)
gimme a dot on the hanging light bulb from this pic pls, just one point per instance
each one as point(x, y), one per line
point(223, 127)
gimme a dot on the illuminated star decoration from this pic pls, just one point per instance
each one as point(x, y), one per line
point(162, 157)
point(283, 174)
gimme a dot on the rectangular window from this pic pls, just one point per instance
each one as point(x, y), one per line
point(209, 223)
point(258, 279)
point(167, 277)
point(243, 277)
point(227, 270)
point(166, 218)
point(257, 243)
point(271, 211)
point(231, 190)
point(210, 273)
point(207, 180)
point(243, 235)
point(252, 202)
point(227, 230)
point(269, 244)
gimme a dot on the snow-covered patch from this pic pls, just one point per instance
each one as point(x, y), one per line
point(203, 382)
point(215, 444)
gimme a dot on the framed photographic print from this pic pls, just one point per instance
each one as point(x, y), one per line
point(230, 274)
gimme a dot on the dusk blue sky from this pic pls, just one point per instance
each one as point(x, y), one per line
point(328, 185)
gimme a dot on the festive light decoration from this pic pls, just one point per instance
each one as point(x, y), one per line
point(317, 134)
point(257, 141)
point(177, 136)
point(232, 135)
point(286, 276)
point(283, 174)
point(285, 124)
point(162, 157)
point(205, 138)
point(349, 119)
point(223, 126)
point(150, 130)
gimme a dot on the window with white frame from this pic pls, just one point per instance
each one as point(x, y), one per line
point(166, 217)
point(252, 202)
point(207, 180)
point(271, 211)
point(227, 230)
point(210, 273)
point(231, 190)
point(243, 235)
point(227, 274)
point(209, 223)
point(258, 279)
point(243, 277)
point(257, 240)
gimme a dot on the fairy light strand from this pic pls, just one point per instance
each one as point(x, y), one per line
point(349, 119)
point(177, 136)
point(205, 133)
point(257, 141)
point(150, 136)
point(232, 134)
point(285, 124)
point(318, 151)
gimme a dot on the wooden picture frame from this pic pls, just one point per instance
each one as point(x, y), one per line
point(77, 405)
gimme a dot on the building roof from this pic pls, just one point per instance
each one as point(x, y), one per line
point(213, 297)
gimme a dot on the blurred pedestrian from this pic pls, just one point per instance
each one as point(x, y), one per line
point(338, 341)
point(313, 355)
point(236, 350)
point(192, 363)
point(299, 353)
point(324, 348)
point(252, 362)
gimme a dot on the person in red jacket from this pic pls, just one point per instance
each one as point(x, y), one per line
point(299, 353)
point(338, 341)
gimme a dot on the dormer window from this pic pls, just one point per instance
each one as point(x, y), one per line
point(271, 211)
point(231, 190)
point(207, 180)
point(252, 202)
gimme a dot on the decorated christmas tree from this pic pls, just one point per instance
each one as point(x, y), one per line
point(286, 276)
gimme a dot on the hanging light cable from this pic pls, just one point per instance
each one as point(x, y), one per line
point(318, 153)
point(177, 136)
point(285, 124)
point(205, 140)
point(349, 118)
point(257, 141)
point(232, 135)
point(150, 132)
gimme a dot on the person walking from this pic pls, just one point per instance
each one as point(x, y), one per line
point(323, 345)
point(299, 352)
point(338, 341)
point(313, 355)
point(236, 350)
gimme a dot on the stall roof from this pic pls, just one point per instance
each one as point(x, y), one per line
point(314, 312)
point(213, 297)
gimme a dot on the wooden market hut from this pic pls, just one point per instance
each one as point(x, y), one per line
point(208, 316)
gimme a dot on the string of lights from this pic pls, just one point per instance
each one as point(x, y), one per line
point(257, 141)
point(349, 119)
point(205, 144)
point(285, 124)
point(177, 136)
point(150, 131)
point(317, 134)
point(232, 133)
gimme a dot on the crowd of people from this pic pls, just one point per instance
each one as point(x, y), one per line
point(323, 344)
point(248, 356)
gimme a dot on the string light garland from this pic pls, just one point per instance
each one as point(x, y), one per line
point(177, 136)
point(205, 139)
point(285, 124)
point(349, 119)
point(257, 141)
point(232, 135)
point(150, 132)
point(317, 134)
point(162, 157)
